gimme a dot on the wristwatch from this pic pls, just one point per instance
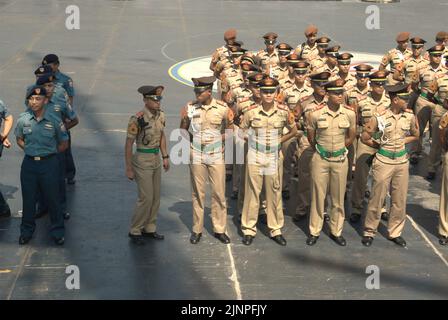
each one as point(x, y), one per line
point(165, 157)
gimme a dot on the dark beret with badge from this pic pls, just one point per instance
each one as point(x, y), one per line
point(45, 78)
point(36, 90)
point(46, 69)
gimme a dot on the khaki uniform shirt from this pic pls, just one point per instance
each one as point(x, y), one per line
point(207, 124)
point(306, 52)
point(356, 96)
point(268, 61)
point(368, 107)
point(394, 57)
point(331, 127)
point(146, 136)
point(441, 94)
point(293, 94)
point(317, 64)
point(396, 128)
point(412, 67)
point(428, 75)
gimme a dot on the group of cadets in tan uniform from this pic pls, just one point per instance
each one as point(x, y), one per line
point(302, 113)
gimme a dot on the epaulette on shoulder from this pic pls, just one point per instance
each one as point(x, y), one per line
point(303, 99)
point(283, 107)
point(221, 103)
point(361, 98)
point(316, 108)
point(251, 107)
point(346, 106)
point(380, 113)
point(409, 111)
point(139, 114)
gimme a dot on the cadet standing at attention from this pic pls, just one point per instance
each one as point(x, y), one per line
point(146, 129)
point(375, 102)
point(207, 118)
point(265, 161)
point(41, 136)
point(397, 127)
point(269, 57)
point(7, 118)
point(331, 131)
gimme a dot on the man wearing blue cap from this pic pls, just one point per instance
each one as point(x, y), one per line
point(67, 83)
point(65, 113)
point(41, 136)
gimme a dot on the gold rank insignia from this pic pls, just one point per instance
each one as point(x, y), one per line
point(132, 128)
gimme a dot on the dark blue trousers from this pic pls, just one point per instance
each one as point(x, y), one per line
point(40, 176)
point(41, 203)
point(3, 205)
point(70, 169)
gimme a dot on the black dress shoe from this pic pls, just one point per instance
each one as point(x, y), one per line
point(279, 239)
point(311, 241)
point(71, 181)
point(247, 240)
point(367, 194)
point(326, 217)
point(152, 235)
point(431, 176)
point(59, 241)
point(222, 237)
point(66, 216)
point(195, 237)
point(339, 240)
point(443, 240)
point(355, 217)
point(285, 194)
point(137, 239)
point(234, 195)
point(367, 241)
point(385, 216)
point(6, 213)
point(40, 214)
point(24, 240)
point(398, 240)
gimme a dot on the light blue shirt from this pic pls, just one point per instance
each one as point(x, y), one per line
point(41, 136)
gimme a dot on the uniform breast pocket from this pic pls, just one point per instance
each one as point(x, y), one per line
point(366, 113)
point(406, 126)
point(278, 124)
point(344, 124)
point(216, 123)
point(322, 124)
point(256, 124)
point(48, 132)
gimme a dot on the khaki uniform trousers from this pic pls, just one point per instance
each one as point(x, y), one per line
point(327, 175)
point(397, 176)
point(200, 173)
point(306, 153)
point(423, 112)
point(289, 148)
point(272, 183)
point(435, 152)
point(443, 219)
point(148, 201)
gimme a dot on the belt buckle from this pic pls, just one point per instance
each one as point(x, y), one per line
point(327, 154)
point(37, 158)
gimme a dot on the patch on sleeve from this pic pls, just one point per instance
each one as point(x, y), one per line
point(132, 128)
point(444, 121)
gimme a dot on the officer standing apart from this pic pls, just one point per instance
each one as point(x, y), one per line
point(265, 161)
point(207, 118)
point(7, 118)
point(398, 127)
point(41, 136)
point(331, 131)
point(67, 83)
point(146, 129)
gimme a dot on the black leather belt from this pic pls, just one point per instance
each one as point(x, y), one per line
point(40, 158)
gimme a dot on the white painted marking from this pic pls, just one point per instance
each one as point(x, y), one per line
point(436, 251)
point(234, 275)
